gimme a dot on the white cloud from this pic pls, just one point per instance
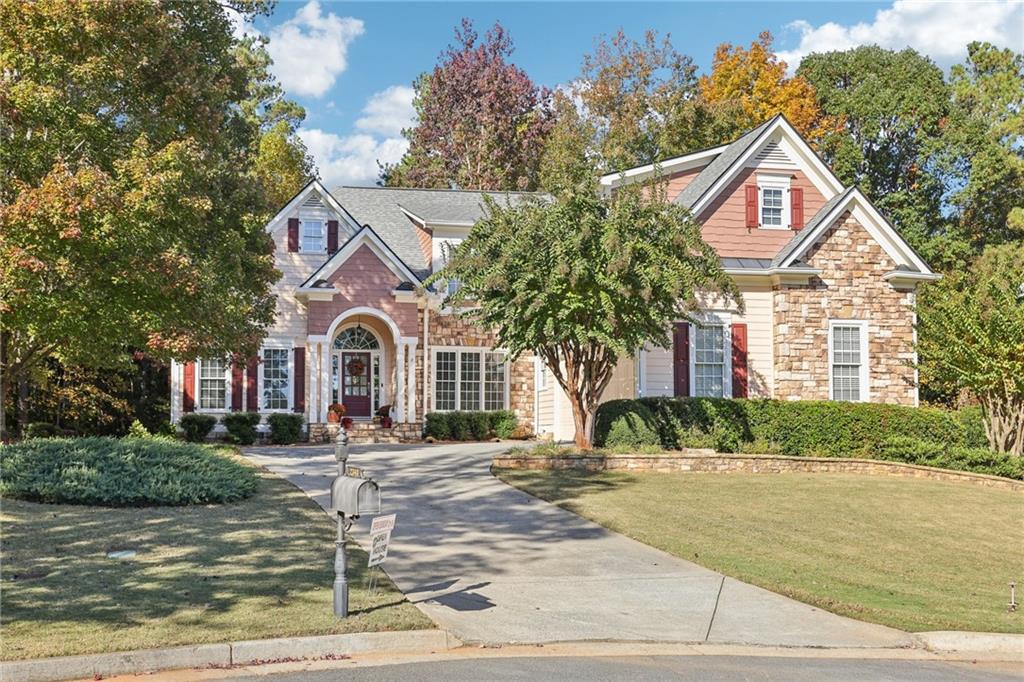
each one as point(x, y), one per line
point(351, 159)
point(388, 111)
point(240, 28)
point(940, 30)
point(310, 49)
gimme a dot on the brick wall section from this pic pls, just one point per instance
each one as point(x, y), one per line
point(724, 219)
point(751, 464)
point(850, 287)
point(363, 280)
point(453, 330)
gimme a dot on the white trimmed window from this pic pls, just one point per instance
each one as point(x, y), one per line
point(312, 236)
point(275, 375)
point(214, 378)
point(773, 201)
point(848, 360)
point(470, 379)
point(711, 356)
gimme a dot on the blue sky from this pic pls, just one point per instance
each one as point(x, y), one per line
point(352, 64)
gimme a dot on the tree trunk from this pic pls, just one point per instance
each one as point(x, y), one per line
point(580, 420)
point(1004, 423)
point(22, 405)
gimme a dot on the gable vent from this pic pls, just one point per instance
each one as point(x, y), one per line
point(313, 201)
point(773, 155)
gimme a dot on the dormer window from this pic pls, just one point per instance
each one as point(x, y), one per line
point(773, 207)
point(312, 236)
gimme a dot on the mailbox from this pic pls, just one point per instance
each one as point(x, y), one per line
point(353, 496)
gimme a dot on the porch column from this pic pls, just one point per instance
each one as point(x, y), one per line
point(400, 379)
point(325, 379)
point(411, 405)
point(313, 403)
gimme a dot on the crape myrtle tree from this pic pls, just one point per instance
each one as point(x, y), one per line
point(130, 217)
point(580, 278)
point(971, 331)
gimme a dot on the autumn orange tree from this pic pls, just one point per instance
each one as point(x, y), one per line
point(754, 81)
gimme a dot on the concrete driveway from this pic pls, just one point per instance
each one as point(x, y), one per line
point(495, 565)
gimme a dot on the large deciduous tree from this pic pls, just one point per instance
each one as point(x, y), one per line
point(480, 121)
point(129, 214)
point(971, 330)
point(580, 278)
point(894, 108)
point(754, 80)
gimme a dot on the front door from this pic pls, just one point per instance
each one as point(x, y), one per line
point(355, 383)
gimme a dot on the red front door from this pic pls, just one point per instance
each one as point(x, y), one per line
point(355, 383)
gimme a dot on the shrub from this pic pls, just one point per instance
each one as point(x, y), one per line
point(41, 430)
point(471, 425)
point(979, 460)
point(137, 430)
point(241, 426)
point(197, 426)
point(285, 428)
point(123, 472)
point(628, 423)
point(973, 423)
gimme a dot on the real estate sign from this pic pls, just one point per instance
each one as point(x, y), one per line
point(380, 538)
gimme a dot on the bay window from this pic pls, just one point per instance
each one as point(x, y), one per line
point(470, 379)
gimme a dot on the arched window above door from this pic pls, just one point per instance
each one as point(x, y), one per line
point(356, 338)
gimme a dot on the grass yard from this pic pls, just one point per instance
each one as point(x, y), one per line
point(910, 553)
point(249, 570)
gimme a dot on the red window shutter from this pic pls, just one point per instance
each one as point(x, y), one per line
point(751, 201)
point(332, 236)
point(300, 380)
point(681, 359)
point(293, 234)
point(188, 390)
point(796, 207)
point(236, 385)
point(739, 361)
point(251, 398)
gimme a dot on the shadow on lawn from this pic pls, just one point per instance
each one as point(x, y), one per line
point(274, 548)
point(564, 487)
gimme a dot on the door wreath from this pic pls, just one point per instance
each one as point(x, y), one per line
point(356, 367)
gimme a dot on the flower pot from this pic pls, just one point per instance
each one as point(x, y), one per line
point(333, 417)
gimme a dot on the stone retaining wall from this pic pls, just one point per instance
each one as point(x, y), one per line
point(749, 464)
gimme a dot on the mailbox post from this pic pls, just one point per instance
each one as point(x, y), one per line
point(353, 497)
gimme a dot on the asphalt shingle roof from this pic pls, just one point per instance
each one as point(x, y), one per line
point(381, 208)
point(803, 235)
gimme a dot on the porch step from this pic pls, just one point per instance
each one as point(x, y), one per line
point(368, 432)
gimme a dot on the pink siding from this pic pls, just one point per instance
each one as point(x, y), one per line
point(724, 226)
point(363, 280)
point(677, 182)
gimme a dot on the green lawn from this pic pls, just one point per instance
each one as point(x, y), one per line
point(260, 568)
point(910, 553)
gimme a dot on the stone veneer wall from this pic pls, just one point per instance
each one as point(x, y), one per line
point(850, 287)
point(452, 330)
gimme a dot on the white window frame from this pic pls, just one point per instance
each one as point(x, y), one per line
point(779, 182)
point(302, 235)
point(864, 373)
point(714, 319)
point(289, 391)
point(199, 387)
point(476, 350)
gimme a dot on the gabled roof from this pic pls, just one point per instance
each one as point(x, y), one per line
point(367, 236)
point(699, 186)
point(694, 159)
point(881, 230)
point(300, 196)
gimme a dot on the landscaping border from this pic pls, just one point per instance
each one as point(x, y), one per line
point(710, 462)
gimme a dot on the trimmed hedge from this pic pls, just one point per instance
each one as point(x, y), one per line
point(285, 428)
point(978, 460)
point(810, 428)
point(197, 426)
point(470, 425)
point(241, 426)
point(126, 472)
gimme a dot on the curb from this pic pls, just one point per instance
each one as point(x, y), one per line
point(223, 655)
point(976, 643)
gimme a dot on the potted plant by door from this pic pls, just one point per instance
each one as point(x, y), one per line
point(384, 412)
point(335, 412)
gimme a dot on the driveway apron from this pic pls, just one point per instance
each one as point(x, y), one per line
point(494, 565)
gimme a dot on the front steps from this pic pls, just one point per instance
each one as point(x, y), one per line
point(368, 432)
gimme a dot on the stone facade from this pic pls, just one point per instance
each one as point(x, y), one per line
point(450, 329)
point(711, 462)
point(850, 287)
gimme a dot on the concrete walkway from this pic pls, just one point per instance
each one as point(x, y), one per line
point(495, 565)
